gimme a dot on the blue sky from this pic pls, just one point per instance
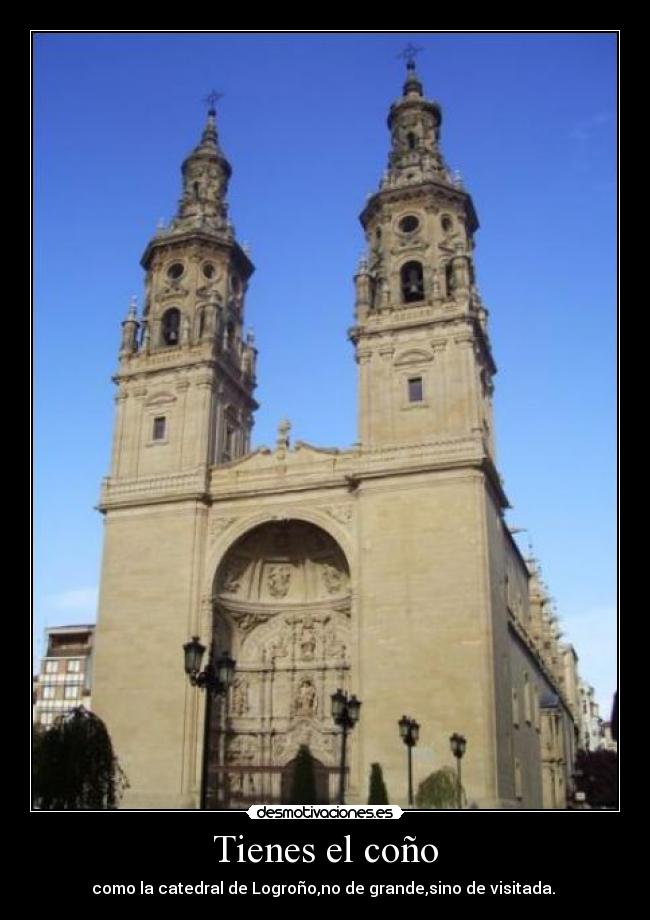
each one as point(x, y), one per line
point(529, 120)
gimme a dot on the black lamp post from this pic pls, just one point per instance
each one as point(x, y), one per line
point(409, 731)
point(458, 744)
point(216, 678)
point(345, 712)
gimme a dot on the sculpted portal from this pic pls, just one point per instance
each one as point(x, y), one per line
point(281, 606)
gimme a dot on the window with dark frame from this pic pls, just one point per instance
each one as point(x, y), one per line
point(412, 281)
point(159, 428)
point(170, 327)
point(415, 389)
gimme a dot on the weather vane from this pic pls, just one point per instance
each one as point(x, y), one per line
point(212, 98)
point(409, 54)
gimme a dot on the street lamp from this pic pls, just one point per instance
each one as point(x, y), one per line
point(409, 731)
point(345, 712)
point(216, 678)
point(458, 744)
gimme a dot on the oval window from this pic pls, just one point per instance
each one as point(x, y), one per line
point(209, 270)
point(447, 223)
point(409, 223)
point(175, 270)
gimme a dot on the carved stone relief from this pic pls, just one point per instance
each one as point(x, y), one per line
point(241, 749)
point(334, 648)
point(219, 524)
point(239, 702)
point(248, 620)
point(340, 513)
point(333, 579)
point(279, 577)
point(279, 648)
point(232, 575)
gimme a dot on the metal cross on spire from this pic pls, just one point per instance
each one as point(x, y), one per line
point(409, 54)
point(212, 98)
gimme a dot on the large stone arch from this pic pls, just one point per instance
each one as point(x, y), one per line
point(281, 604)
point(231, 528)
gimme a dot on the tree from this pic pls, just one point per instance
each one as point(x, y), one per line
point(439, 790)
point(74, 767)
point(377, 794)
point(303, 783)
point(596, 775)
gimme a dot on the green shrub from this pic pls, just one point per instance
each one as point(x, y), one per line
point(439, 790)
point(74, 767)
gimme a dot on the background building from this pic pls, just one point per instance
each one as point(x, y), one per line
point(386, 570)
point(589, 722)
point(65, 679)
point(607, 740)
point(34, 696)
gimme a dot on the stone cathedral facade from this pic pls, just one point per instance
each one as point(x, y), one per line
point(386, 570)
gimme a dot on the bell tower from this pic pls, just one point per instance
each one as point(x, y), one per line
point(187, 370)
point(185, 406)
point(425, 363)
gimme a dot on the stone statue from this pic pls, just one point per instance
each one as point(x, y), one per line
point(185, 331)
point(307, 641)
point(283, 434)
point(306, 703)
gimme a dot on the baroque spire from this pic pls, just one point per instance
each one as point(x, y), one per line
point(414, 123)
point(206, 173)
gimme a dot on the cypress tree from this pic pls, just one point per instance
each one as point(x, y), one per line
point(377, 794)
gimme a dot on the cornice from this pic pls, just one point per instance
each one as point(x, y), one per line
point(171, 487)
point(268, 609)
point(143, 367)
point(401, 319)
point(427, 189)
point(271, 475)
point(520, 632)
point(215, 240)
point(346, 471)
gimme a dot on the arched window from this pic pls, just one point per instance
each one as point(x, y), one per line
point(171, 323)
point(446, 223)
point(195, 186)
point(411, 140)
point(412, 282)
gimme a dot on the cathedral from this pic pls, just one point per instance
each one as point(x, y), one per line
point(385, 571)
